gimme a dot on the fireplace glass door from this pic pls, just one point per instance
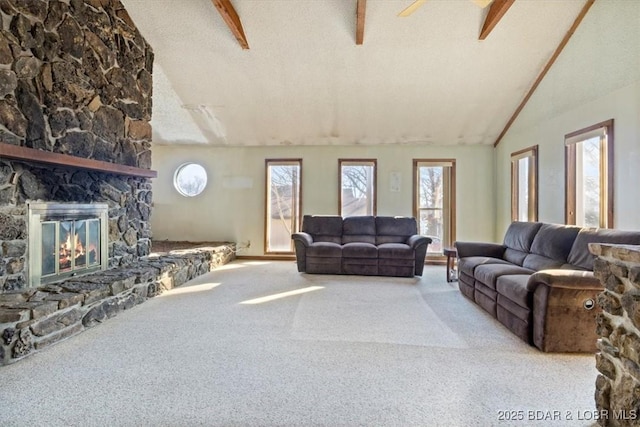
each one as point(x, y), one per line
point(66, 239)
point(69, 246)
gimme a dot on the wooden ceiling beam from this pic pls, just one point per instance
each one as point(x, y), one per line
point(228, 13)
point(546, 69)
point(360, 10)
point(496, 12)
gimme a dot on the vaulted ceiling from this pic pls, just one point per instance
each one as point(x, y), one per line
point(345, 72)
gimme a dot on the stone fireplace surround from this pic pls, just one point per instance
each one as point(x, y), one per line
point(618, 359)
point(76, 83)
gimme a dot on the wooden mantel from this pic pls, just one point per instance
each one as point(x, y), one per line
point(39, 156)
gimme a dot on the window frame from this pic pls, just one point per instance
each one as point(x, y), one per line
point(530, 153)
point(267, 211)
point(450, 219)
point(177, 182)
point(606, 171)
point(359, 162)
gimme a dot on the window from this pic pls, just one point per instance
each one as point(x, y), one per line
point(357, 195)
point(190, 179)
point(524, 184)
point(284, 181)
point(434, 202)
point(589, 176)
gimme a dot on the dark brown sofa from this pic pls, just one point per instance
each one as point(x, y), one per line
point(364, 245)
point(539, 282)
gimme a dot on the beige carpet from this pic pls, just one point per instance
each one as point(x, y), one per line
point(365, 309)
point(258, 344)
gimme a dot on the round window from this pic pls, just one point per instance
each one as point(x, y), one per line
point(190, 179)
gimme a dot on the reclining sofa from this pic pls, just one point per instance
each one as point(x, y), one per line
point(539, 282)
point(363, 245)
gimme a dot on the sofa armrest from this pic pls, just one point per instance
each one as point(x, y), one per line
point(564, 310)
point(419, 244)
point(567, 279)
point(301, 242)
point(466, 249)
point(304, 238)
point(418, 240)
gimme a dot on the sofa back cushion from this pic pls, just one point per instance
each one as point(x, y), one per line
point(398, 229)
point(580, 255)
point(539, 262)
point(323, 228)
point(518, 239)
point(551, 246)
point(359, 229)
point(514, 256)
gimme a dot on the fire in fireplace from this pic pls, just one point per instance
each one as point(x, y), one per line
point(66, 239)
point(70, 245)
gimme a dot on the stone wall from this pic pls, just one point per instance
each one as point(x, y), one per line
point(618, 360)
point(75, 79)
point(34, 319)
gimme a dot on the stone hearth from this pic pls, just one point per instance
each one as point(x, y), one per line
point(35, 318)
point(618, 385)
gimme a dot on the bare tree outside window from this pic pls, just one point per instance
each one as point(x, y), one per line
point(434, 202)
point(589, 176)
point(283, 204)
point(430, 180)
point(588, 167)
point(524, 184)
point(357, 187)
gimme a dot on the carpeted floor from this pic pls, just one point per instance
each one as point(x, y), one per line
point(258, 344)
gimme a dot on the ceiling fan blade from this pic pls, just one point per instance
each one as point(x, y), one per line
point(482, 3)
point(412, 8)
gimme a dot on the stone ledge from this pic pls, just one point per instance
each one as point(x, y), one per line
point(33, 319)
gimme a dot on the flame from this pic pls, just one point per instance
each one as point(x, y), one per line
point(66, 249)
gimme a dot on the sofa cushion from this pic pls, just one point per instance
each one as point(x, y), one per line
point(324, 250)
point(391, 229)
point(580, 255)
point(515, 256)
point(539, 262)
point(323, 228)
point(468, 264)
point(359, 250)
point(395, 251)
point(514, 287)
point(488, 273)
point(554, 241)
point(359, 229)
point(520, 235)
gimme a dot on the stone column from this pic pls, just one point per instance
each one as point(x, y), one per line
point(618, 360)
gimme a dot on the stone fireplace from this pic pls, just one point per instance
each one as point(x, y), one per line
point(75, 173)
point(66, 240)
point(75, 106)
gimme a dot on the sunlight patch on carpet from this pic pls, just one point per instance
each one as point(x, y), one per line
point(281, 295)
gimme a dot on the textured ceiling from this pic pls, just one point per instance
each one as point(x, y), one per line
point(425, 79)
